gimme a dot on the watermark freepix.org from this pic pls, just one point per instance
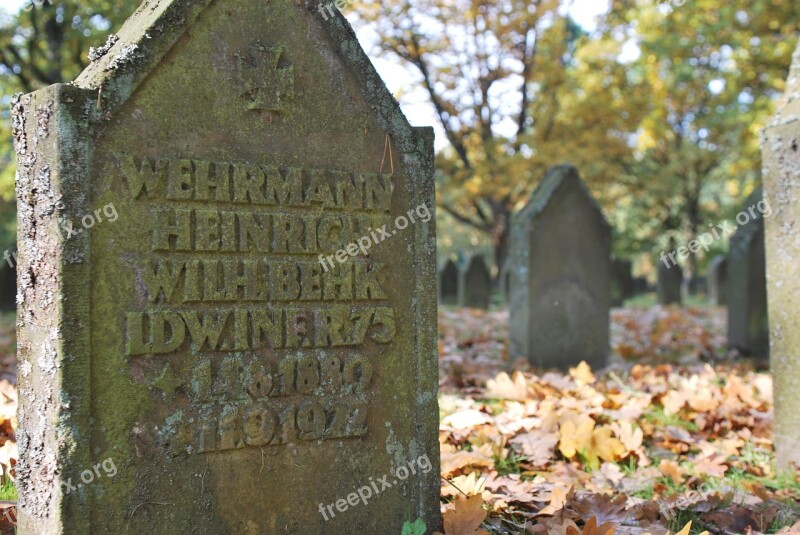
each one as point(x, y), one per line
point(718, 232)
point(671, 510)
point(376, 236)
point(375, 487)
point(67, 229)
point(340, 4)
point(89, 476)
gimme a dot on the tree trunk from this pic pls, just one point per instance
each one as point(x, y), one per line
point(501, 234)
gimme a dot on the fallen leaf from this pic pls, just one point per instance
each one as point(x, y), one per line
point(672, 470)
point(582, 374)
point(537, 446)
point(514, 388)
point(465, 517)
point(591, 528)
point(575, 438)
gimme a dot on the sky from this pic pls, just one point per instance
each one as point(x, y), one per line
point(414, 102)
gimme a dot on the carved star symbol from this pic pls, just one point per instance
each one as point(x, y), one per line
point(265, 80)
point(168, 382)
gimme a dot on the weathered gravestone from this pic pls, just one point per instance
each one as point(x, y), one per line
point(8, 286)
point(748, 329)
point(475, 283)
point(670, 279)
point(781, 150)
point(559, 311)
point(640, 286)
point(718, 280)
point(219, 343)
point(621, 281)
point(448, 283)
point(693, 285)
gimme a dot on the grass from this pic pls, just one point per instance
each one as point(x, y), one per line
point(510, 464)
point(659, 418)
point(8, 491)
point(648, 300)
point(682, 517)
point(645, 300)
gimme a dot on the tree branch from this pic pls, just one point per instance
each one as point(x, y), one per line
point(416, 58)
point(464, 219)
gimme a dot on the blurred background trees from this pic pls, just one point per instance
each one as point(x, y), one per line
point(659, 104)
point(45, 42)
point(712, 70)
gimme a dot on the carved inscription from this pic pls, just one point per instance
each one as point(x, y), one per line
point(262, 343)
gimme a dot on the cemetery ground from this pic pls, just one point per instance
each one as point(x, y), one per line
point(676, 430)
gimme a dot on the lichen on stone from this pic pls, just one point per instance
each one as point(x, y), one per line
point(95, 53)
point(127, 54)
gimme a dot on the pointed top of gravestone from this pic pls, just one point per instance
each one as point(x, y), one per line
point(475, 262)
point(555, 181)
point(149, 36)
point(449, 265)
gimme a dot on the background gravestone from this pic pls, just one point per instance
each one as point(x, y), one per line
point(239, 385)
point(621, 281)
point(559, 312)
point(693, 286)
point(782, 190)
point(8, 286)
point(670, 280)
point(448, 283)
point(640, 286)
point(717, 280)
point(748, 329)
point(475, 284)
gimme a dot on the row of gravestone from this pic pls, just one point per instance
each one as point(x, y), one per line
point(559, 303)
point(470, 284)
point(738, 280)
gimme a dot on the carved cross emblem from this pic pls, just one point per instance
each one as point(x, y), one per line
point(266, 80)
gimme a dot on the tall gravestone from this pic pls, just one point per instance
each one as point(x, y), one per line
point(475, 283)
point(748, 329)
point(670, 279)
point(559, 311)
point(718, 280)
point(448, 283)
point(781, 155)
point(219, 342)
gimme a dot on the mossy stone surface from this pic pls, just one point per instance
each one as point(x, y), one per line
point(197, 339)
point(781, 151)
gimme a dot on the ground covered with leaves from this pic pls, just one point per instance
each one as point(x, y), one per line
point(674, 437)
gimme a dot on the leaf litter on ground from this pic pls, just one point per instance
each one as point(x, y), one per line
point(674, 436)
